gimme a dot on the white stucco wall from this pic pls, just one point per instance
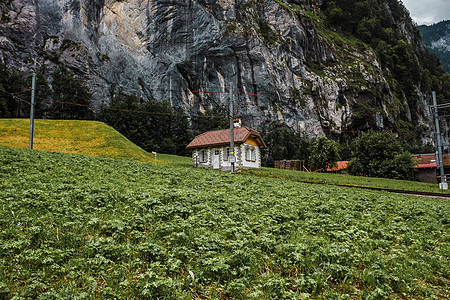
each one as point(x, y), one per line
point(247, 164)
point(196, 159)
point(224, 163)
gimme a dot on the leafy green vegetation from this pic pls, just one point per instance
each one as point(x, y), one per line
point(71, 94)
point(100, 228)
point(15, 93)
point(379, 154)
point(69, 97)
point(158, 128)
point(69, 44)
point(269, 36)
point(283, 143)
point(324, 154)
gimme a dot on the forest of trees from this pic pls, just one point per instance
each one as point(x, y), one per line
point(434, 33)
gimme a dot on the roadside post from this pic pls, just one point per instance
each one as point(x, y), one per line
point(153, 152)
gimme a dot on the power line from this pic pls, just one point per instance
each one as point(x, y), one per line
point(220, 104)
point(14, 86)
point(444, 105)
point(130, 110)
point(223, 106)
point(110, 108)
point(17, 98)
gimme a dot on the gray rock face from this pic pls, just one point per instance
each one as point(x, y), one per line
point(281, 62)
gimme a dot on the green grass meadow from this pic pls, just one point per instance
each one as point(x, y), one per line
point(80, 227)
point(104, 221)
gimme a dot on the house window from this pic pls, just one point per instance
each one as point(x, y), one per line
point(250, 154)
point(216, 152)
point(203, 156)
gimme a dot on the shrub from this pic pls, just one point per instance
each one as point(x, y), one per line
point(379, 154)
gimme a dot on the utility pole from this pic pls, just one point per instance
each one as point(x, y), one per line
point(232, 157)
point(440, 161)
point(33, 87)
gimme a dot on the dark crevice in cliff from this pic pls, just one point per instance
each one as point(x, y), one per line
point(189, 31)
point(145, 90)
point(183, 71)
point(93, 10)
point(252, 71)
point(238, 73)
point(38, 22)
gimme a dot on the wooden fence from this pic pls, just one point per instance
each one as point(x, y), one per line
point(298, 165)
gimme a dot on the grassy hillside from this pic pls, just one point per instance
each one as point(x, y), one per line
point(98, 139)
point(100, 228)
point(77, 137)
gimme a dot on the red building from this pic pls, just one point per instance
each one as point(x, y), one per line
point(426, 170)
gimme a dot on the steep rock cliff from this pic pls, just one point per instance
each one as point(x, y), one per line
point(279, 58)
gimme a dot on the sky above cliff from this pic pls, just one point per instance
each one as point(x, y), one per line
point(427, 12)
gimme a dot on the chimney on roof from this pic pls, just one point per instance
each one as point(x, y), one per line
point(237, 123)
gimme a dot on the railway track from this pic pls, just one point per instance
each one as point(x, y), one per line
point(415, 193)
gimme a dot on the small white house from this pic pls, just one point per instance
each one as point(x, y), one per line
point(212, 149)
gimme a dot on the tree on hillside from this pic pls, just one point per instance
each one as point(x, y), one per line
point(153, 126)
point(324, 154)
point(15, 94)
point(72, 96)
point(212, 119)
point(4, 112)
point(12, 89)
point(380, 154)
point(283, 143)
point(43, 94)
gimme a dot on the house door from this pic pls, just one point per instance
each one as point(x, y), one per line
point(215, 158)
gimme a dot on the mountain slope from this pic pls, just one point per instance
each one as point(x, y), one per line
point(310, 65)
point(437, 40)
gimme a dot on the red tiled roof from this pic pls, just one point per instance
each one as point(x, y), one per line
point(340, 165)
point(423, 166)
point(222, 138)
point(431, 158)
point(425, 158)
